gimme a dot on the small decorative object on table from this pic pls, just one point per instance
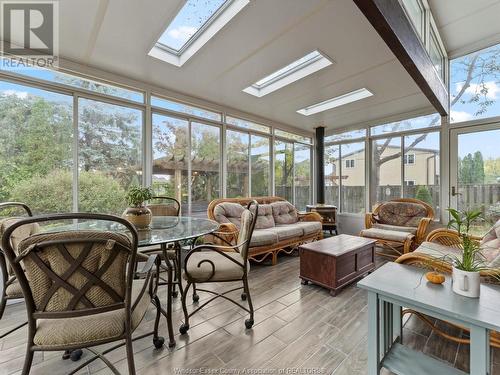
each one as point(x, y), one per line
point(435, 277)
point(137, 212)
point(469, 263)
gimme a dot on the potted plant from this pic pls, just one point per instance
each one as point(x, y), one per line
point(466, 266)
point(137, 213)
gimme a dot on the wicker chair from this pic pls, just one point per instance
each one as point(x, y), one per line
point(439, 243)
point(400, 224)
point(166, 206)
point(80, 287)
point(218, 264)
point(10, 286)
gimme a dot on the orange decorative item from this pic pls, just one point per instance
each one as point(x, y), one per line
point(435, 277)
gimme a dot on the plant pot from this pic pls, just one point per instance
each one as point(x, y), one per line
point(466, 283)
point(140, 217)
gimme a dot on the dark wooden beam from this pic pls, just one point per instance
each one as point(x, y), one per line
point(320, 164)
point(389, 19)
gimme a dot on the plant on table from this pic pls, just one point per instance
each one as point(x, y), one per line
point(137, 212)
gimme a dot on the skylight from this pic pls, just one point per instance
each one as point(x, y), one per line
point(195, 24)
point(335, 102)
point(309, 64)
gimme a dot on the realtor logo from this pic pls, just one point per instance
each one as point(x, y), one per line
point(30, 31)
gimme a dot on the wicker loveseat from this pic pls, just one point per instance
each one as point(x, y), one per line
point(279, 227)
point(399, 223)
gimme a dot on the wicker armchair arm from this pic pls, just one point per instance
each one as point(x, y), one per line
point(310, 216)
point(221, 250)
point(447, 237)
point(422, 229)
point(226, 234)
point(369, 220)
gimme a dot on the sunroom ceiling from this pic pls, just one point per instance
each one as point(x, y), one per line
point(116, 36)
point(466, 25)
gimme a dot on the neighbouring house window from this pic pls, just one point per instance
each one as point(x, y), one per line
point(349, 163)
point(409, 182)
point(474, 85)
point(409, 159)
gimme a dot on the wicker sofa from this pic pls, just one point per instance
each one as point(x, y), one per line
point(279, 227)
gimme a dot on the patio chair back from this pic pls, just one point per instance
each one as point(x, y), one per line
point(248, 220)
point(70, 273)
point(164, 206)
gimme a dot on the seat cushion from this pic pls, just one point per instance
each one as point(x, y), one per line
point(405, 214)
point(228, 212)
point(91, 328)
point(412, 230)
point(491, 252)
point(284, 213)
point(388, 235)
point(265, 218)
point(14, 290)
point(225, 269)
point(310, 227)
point(263, 237)
point(286, 232)
point(493, 233)
point(437, 250)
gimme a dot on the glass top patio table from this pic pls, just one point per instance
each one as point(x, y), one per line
point(163, 229)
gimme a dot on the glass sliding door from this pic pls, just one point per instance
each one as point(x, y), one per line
point(260, 165)
point(302, 161)
point(475, 173)
point(171, 158)
point(332, 174)
point(283, 169)
point(109, 155)
point(386, 169)
point(205, 166)
point(353, 177)
point(237, 146)
point(36, 148)
point(421, 169)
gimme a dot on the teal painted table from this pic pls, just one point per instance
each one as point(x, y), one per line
point(393, 286)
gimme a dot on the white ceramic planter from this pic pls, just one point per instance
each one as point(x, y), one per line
point(466, 283)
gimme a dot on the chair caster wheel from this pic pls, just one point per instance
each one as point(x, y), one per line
point(196, 297)
point(249, 323)
point(183, 329)
point(76, 355)
point(243, 297)
point(66, 354)
point(171, 344)
point(175, 294)
point(158, 342)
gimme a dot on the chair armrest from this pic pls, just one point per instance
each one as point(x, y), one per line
point(221, 250)
point(150, 262)
point(422, 229)
point(310, 216)
point(369, 220)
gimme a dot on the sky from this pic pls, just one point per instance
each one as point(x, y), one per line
point(190, 18)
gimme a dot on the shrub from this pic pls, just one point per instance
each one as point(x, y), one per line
point(423, 194)
point(53, 193)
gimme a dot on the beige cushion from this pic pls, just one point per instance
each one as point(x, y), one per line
point(225, 269)
point(228, 212)
point(389, 235)
point(14, 290)
point(284, 213)
point(411, 230)
point(86, 329)
point(492, 234)
point(310, 227)
point(263, 237)
point(437, 250)
point(265, 218)
point(491, 252)
point(286, 232)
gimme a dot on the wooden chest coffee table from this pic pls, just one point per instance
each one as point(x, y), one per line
point(336, 261)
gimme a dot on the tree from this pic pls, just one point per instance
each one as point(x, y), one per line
point(471, 169)
point(424, 195)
